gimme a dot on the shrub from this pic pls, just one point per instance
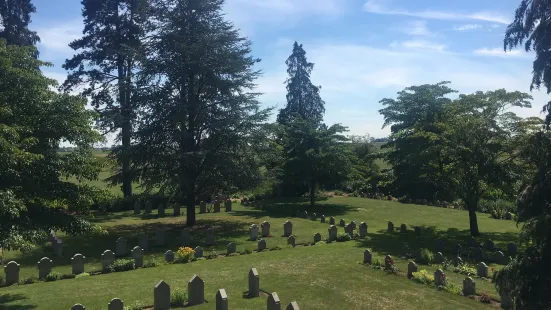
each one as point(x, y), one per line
point(178, 298)
point(212, 254)
point(29, 280)
point(466, 269)
point(425, 256)
point(137, 305)
point(343, 238)
point(67, 276)
point(376, 262)
point(248, 251)
point(339, 193)
point(84, 274)
point(485, 298)
point(452, 288)
point(2, 280)
point(122, 264)
point(52, 276)
point(184, 254)
point(151, 262)
point(422, 277)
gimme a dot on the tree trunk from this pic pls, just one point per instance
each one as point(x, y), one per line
point(126, 176)
point(473, 222)
point(312, 190)
point(190, 208)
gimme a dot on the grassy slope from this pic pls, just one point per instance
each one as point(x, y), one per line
point(332, 259)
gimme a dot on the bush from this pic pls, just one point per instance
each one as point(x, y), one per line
point(339, 193)
point(137, 305)
point(82, 275)
point(343, 238)
point(122, 264)
point(184, 255)
point(151, 262)
point(422, 277)
point(29, 280)
point(425, 256)
point(67, 276)
point(2, 282)
point(452, 288)
point(52, 276)
point(248, 251)
point(496, 208)
point(212, 254)
point(466, 269)
point(178, 298)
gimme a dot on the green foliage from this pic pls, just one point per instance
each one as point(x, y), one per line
point(343, 238)
point(52, 276)
point(35, 196)
point(137, 305)
point(248, 251)
point(82, 275)
point(2, 281)
point(15, 17)
point(30, 280)
point(425, 256)
point(152, 261)
point(485, 298)
point(496, 208)
point(122, 264)
point(422, 277)
point(67, 276)
point(178, 298)
point(452, 288)
point(466, 269)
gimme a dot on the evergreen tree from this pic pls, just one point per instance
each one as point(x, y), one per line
point(105, 68)
point(15, 16)
point(303, 97)
point(201, 121)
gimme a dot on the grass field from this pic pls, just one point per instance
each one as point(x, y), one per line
point(323, 276)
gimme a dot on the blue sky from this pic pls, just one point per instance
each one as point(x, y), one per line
point(363, 50)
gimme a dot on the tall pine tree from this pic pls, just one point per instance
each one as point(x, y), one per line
point(15, 16)
point(105, 67)
point(201, 119)
point(302, 96)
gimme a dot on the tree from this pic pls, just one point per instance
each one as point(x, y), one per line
point(201, 122)
point(365, 173)
point(15, 16)
point(315, 155)
point(35, 195)
point(532, 24)
point(414, 146)
point(302, 96)
point(105, 69)
point(481, 144)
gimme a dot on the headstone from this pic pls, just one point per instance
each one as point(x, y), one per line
point(121, 248)
point(331, 221)
point(368, 257)
point(291, 240)
point(228, 205)
point(348, 230)
point(322, 218)
point(254, 283)
point(185, 238)
point(176, 208)
point(161, 210)
point(388, 261)
point(512, 249)
point(412, 267)
point(261, 245)
point(231, 248)
point(403, 228)
point(11, 271)
point(203, 207)
point(115, 304)
point(363, 229)
point(107, 258)
point(342, 223)
point(148, 207)
point(472, 242)
point(314, 216)
point(317, 237)
point(78, 307)
point(458, 260)
point(198, 252)
point(482, 270)
point(390, 227)
point(479, 254)
point(169, 256)
point(137, 255)
point(196, 291)
point(216, 206)
point(273, 302)
point(143, 242)
point(210, 236)
point(137, 207)
point(417, 230)
point(287, 229)
point(160, 237)
point(77, 263)
point(221, 300)
point(469, 287)
point(253, 232)
point(458, 249)
point(292, 306)
point(439, 277)
point(265, 226)
point(439, 258)
point(508, 215)
point(501, 258)
point(489, 245)
point(161, 296)
point(506, 302)
point(44, 267)
point(332, 233)
point(305, 214)
point(58, 247)
point(439, 245)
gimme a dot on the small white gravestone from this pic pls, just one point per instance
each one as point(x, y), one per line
point(287, 229)
point(137, 255)
point(265, 226)
point(107, 258)
point(254, 283)
point(77, 263)
point(291, 240)
point(44, 267)
point(253, 232)
point(11, 270)
point(261, 245)
point(169, 256)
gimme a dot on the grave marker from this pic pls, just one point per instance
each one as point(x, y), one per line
point(253, 232)
point(287, 229)
point(482, 270)
point(169, 256)
point(469, 287)
point(44, 267)
point(11, 271)
point(221, 300)
point(261, 245)
point(439, 277)
point(107, 258)
point(403, 228)
point(273, 302)
point(317, 237)
point(265, 226)
point(115, 304)
point(137, 255)
point(198, 252)
point(228, 205)
point(291, 240)
point(148, 207)
point(216, 206)
point(331, 221)
point(332, 233)
point(412, 267)
point(202, 207)
point(210, 236)
point(161, 210)
point(230, 248)
point(77, 264)
point(121, 248)
point(363, 229)
point(137, 207)
point(161, 296)
point(254, 283)
point(196, 291)
point(390, 227)
point(368, 257)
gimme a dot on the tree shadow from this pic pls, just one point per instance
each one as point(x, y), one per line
point(8, 298)
point(291, 207)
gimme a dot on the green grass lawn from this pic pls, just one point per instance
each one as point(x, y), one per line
point(324, 276)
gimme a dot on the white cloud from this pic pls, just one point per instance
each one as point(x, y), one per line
point(55, 40)
point(419, 45)
point(417, 28)
point(467, 27)
point(377, 7)
point(499, 52)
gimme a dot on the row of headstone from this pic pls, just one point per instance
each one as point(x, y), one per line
point(216, 206)
point(161, 208)
point(479, 254)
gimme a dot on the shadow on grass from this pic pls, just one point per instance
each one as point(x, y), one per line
point(394, 243)
point(8, 298)
point(292, 207)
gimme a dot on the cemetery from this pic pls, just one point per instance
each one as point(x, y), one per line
point(377, 250)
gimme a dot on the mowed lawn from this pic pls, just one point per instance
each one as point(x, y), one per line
point(324, 276)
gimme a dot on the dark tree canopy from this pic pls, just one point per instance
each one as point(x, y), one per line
point(302, 96)
point(532, 26)
point(15, 17)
